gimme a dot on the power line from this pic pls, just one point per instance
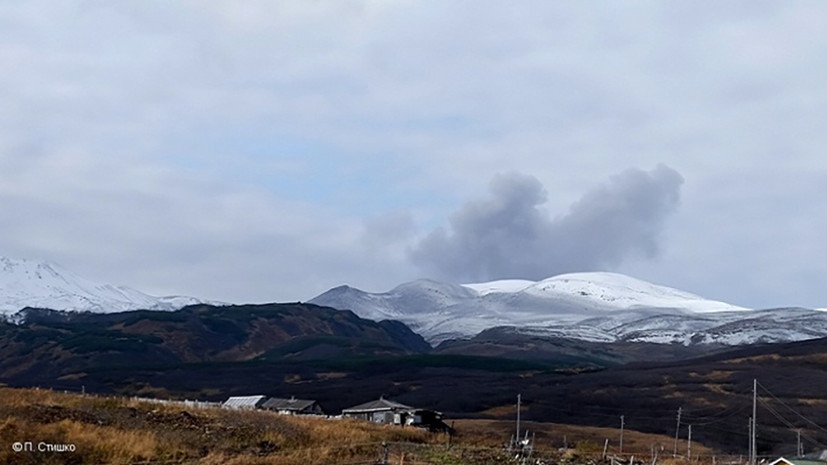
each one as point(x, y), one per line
point(789, 424)
point(792, 409)
point(725, 415)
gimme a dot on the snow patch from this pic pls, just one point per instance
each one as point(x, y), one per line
point(508, 286)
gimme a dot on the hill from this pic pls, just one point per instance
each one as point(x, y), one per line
point(47, 345)
point(714, 392)
point(112, 430)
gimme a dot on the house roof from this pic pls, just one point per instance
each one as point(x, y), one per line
point(797, 461)
point(377, 405)
point(244, 401)
point(291, 404)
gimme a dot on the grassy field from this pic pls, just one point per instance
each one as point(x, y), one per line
point(551, 437)
point(112, 430)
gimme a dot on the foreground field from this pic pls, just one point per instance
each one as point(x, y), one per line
point(60, 428)
point(551, 437)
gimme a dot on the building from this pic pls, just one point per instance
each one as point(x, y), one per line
point(245, 402)
point(379, 411)
point(797, 461)
point(388, 412)
point(293, 406)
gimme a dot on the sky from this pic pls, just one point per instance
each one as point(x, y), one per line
point(268, 151)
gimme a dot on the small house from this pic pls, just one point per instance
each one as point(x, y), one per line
point(388, 412)
point(379, 411)
point(797, 461)
point(245, 402)
point(293, 406)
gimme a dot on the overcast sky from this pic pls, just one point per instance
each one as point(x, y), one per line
point(267, 151)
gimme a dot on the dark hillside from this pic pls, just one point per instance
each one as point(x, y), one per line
point(52, 345)
point(506, 342)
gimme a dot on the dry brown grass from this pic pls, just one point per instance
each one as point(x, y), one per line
point(754, 359)
point(551, 436)
point(812, 401)
point(718, 388)
point(716, 375)
point(123, 431)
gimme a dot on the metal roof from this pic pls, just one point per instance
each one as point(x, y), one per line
point(291, 404)
point(377, 405)
point(798, 461)
point(244, 401)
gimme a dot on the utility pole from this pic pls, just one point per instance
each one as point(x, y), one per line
point(749, 453)
point(799, 450)
point(677, 430)
point(689, 444)
point(517, 437)
point(754, 421)
point(622, 423)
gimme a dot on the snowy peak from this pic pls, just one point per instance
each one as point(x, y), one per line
point(596, 307)
point(441, 311)
point(41, 284)
point(609, 291)
point(504, 286)
point(424, 294)
point(619, 292)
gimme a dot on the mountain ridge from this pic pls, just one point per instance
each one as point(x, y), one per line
point(47, 344)
point(591, 306)
point(42, 284)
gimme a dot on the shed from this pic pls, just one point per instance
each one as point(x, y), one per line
point(245, 402)
point(293, 406)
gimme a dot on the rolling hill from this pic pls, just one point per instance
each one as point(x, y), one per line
point(47, 345)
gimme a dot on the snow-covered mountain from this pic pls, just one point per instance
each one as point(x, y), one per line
point(600, 307)
point(725, 328)
point(30, 283)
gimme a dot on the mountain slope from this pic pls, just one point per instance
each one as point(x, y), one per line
point(442, 311)
point(48, 344)
point(40, 284)
point(616, 291)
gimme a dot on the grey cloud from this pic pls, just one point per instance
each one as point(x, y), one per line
point(388, 229)
point(511, 236)
point(731, 96)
